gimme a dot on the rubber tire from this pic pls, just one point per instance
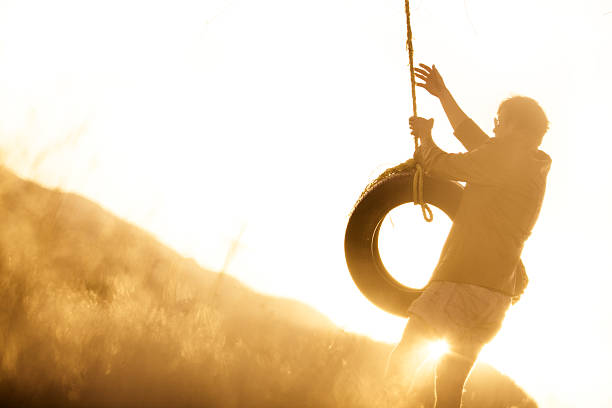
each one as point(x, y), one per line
point(361, 238)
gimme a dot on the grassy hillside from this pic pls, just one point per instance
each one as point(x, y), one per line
point(95, 312)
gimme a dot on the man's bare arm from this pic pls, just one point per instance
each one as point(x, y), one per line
point(434, 84)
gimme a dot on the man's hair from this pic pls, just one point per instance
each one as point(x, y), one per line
point(527, 115)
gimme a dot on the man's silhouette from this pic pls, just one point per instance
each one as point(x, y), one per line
point(479, 271)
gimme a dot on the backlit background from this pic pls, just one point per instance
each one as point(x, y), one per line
point(211, 123)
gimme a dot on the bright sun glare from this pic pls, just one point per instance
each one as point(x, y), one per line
point(437, 349)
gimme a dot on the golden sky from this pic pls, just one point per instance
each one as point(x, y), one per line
point(197, 119)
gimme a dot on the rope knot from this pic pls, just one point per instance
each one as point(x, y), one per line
point(417, 193)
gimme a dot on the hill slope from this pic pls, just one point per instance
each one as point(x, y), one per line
point(95, 312)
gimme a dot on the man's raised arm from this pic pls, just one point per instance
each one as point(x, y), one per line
point(468, 133)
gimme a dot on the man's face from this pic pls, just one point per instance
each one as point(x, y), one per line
point(502, 127)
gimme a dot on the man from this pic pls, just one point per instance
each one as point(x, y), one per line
point(479, 270)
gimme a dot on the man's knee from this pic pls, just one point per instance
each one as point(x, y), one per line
point(416, 333)
point(410, 350)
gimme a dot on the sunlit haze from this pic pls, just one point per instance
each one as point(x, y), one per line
point(199, 120)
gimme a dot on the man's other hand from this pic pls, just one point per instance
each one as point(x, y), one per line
point(421, 127)
point(433, 82)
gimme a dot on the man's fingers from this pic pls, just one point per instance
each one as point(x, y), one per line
point(418, 124)
point(421, 71)
point(425, 67)
point(421, 85)
point(423, 77)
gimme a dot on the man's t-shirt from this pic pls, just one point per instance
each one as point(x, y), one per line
point(505, 186)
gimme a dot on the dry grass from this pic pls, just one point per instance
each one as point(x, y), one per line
point(96, 313)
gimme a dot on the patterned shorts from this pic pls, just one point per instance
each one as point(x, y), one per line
point(466, 316)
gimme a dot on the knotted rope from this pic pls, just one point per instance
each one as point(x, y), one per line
point(417, 184)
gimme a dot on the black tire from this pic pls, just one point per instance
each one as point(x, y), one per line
point(361, 238)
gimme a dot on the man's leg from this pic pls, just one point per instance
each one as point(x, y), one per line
point(408, 354)
point(451, 372)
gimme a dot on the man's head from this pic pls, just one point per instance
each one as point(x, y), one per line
point(522, 119)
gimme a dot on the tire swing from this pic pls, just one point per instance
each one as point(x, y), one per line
point(391, 189)
point(398, 185)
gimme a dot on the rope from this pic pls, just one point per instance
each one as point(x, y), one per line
point(417, 184)
point(411, 59)
point(417, 193)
